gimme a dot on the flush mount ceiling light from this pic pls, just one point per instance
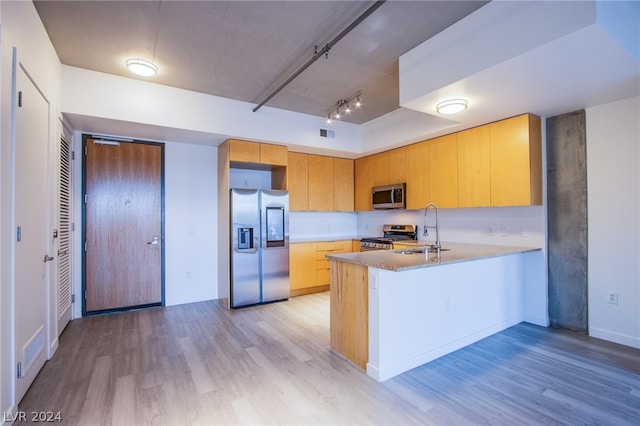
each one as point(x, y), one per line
point(141, 67)
point(451, 106)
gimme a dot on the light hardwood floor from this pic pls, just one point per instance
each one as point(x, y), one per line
point(271, 364)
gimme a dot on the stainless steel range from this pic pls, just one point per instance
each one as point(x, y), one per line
point(391, 233)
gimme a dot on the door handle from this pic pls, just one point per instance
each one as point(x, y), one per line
point(47, 258)
point(154, 242)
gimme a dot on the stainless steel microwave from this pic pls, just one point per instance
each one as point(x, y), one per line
point(389, 196)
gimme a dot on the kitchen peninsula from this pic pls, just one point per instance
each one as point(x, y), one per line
point(395, 310)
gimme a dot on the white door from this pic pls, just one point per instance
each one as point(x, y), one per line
point(64, 235)
point(30, 239)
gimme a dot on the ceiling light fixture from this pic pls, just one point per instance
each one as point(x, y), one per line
point(344, 106)
point(451, 106)
point(141, 67)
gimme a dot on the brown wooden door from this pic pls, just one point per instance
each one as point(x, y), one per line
point(123, 225)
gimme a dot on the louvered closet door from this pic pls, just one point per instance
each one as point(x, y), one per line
point(64, 236)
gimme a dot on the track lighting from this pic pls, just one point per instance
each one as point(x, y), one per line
point(344, 106)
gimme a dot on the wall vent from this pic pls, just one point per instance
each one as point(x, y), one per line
point(32, 350)
point(328, 133)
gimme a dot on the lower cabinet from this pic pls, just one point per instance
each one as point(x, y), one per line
point(309, 269)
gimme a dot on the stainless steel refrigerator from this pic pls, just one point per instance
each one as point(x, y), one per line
point(259, 246)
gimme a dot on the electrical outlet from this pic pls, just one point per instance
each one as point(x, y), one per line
point(188, 275)
point(612, 298)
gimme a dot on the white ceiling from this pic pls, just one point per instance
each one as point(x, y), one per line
point(506, 57)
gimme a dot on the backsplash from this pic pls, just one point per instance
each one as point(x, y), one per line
point(512, 226)
point(309, 225)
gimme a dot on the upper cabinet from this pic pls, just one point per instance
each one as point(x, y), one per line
point(260, 153)
point(298, 181)
point(363, 182)
point(234, 155)
point(443, 171)
point(398, 165)
point(474, 167)
point(497, 164)
point(320, 183)
point(418, 165)
point(343, 185)
point(516, 161)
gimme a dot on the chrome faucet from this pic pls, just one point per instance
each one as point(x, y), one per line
point(425, 233)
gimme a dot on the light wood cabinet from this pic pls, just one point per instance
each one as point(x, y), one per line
point(349, 311)
point(309, 268)
point(322, 263)
point(474, 167)
point(418, 190)
point(516, 161)
point(398, 165)
point(443, 171)
point(273, 154)
point(254, 152)
point(320, 183)
point(355, 246)
point(302, 266)
point(381, 169)
point(343, 185)
point(298, 181)
point(363, 183)
point(244, 151)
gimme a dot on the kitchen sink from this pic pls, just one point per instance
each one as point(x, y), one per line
point(421, 250)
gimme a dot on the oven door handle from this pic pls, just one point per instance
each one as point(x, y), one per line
point(393, 195)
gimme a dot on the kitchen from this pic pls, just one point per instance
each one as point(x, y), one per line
point(191, 179)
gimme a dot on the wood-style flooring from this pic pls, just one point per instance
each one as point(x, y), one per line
point(201, 364)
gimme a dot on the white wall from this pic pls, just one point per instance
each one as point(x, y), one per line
point(191, 232)
point(613, 188)
point(21, 28)
point(129, 100)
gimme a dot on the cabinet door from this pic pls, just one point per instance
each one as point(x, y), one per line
point(418, 191)
point(343, 186)
point(298, 181)
point(381, 169)
point(513, 142)
point(302, 265)
point(443, 171)
point(474, 167)
point(398, 165)
point(273, 154)
point(363, 183)
point(320, 183)
point(244, 151)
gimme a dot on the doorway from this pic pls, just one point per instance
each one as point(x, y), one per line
point(123, 211)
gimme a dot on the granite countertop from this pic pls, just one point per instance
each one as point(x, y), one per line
point(395, 260)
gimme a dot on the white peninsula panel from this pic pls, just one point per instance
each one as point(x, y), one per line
point(418, 315)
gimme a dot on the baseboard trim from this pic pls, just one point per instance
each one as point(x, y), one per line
point(622, 339)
